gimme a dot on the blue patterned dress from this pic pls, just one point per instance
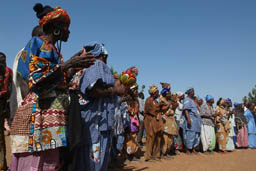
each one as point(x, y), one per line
point(191, 135)
point(98, 120)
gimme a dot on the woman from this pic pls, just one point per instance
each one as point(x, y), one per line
point(178, 114)
point(191, 123)
point(222, 125)
point(153, 125)
point(230, 139)
point(98, 88)
point(168, 106)
point(251, 125)
point(5, 91)
point(241, 125)
point(207, 128)
point(131, 144)
point(39, 127)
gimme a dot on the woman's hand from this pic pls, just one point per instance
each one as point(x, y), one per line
point(79, 60)
point(119, 90)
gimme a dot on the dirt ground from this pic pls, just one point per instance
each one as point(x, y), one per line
point(239, 160)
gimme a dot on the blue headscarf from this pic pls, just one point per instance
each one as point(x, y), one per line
point(208, 98)
point(235, 104)
point(165, 90)
point(228, 100)
point(96, 49)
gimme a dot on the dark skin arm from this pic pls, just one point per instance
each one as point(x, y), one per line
point(188, 118)
point(97, 92)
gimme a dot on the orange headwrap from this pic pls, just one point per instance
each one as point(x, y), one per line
point(57, 14)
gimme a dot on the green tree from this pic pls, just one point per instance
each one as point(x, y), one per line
point(142, 88)
point(251, 96)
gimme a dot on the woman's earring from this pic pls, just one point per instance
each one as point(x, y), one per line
point(56, 32)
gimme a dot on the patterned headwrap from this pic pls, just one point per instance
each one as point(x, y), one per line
point(208, 98)
point(96, 49)
point(165, 90)
point(56, 15)
point(189, 90)
point(223, 101)
point(134, 70)
point(152, 89)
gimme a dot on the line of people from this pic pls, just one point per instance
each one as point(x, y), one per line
point(78, 115)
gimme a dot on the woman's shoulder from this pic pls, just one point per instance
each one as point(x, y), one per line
point(34, 42)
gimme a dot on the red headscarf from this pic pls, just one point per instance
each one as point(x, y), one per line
point(57, 14)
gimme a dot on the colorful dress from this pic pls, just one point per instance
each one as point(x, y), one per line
point(131, 144)
point(170, 126)
point(222, 128)
point(191, 135)
point(251, 128)
point(207, 128)
point(39, 126)
point(5, 89)
point(97, 119)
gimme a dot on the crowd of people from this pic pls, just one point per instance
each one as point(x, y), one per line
point(79, 115)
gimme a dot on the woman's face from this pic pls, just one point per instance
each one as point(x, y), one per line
point(211, 101)
point(252, 107)
point(192, 93)
point(156, 94)
point(200, 102)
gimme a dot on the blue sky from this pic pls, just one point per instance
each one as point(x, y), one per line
point(205, 44)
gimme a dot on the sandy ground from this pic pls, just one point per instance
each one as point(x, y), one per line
point(239, 160)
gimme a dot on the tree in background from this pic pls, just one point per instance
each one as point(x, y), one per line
point(114, 73)
point(251, 96)
point(142, 88)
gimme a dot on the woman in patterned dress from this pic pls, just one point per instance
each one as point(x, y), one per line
point(39, 127)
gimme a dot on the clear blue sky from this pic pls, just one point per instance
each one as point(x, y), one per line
point(205, 44)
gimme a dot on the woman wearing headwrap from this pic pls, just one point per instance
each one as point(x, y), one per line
point(207, 128)
point(5, 91)
point(191, 123)
point(241, 125)
point(39, 127)
point(222, 125)
point(153, 125)
point(98, 87)
point(251, 125)
point(128, 80)
point(131, 144)
point(230, 139)
point(168, 106)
